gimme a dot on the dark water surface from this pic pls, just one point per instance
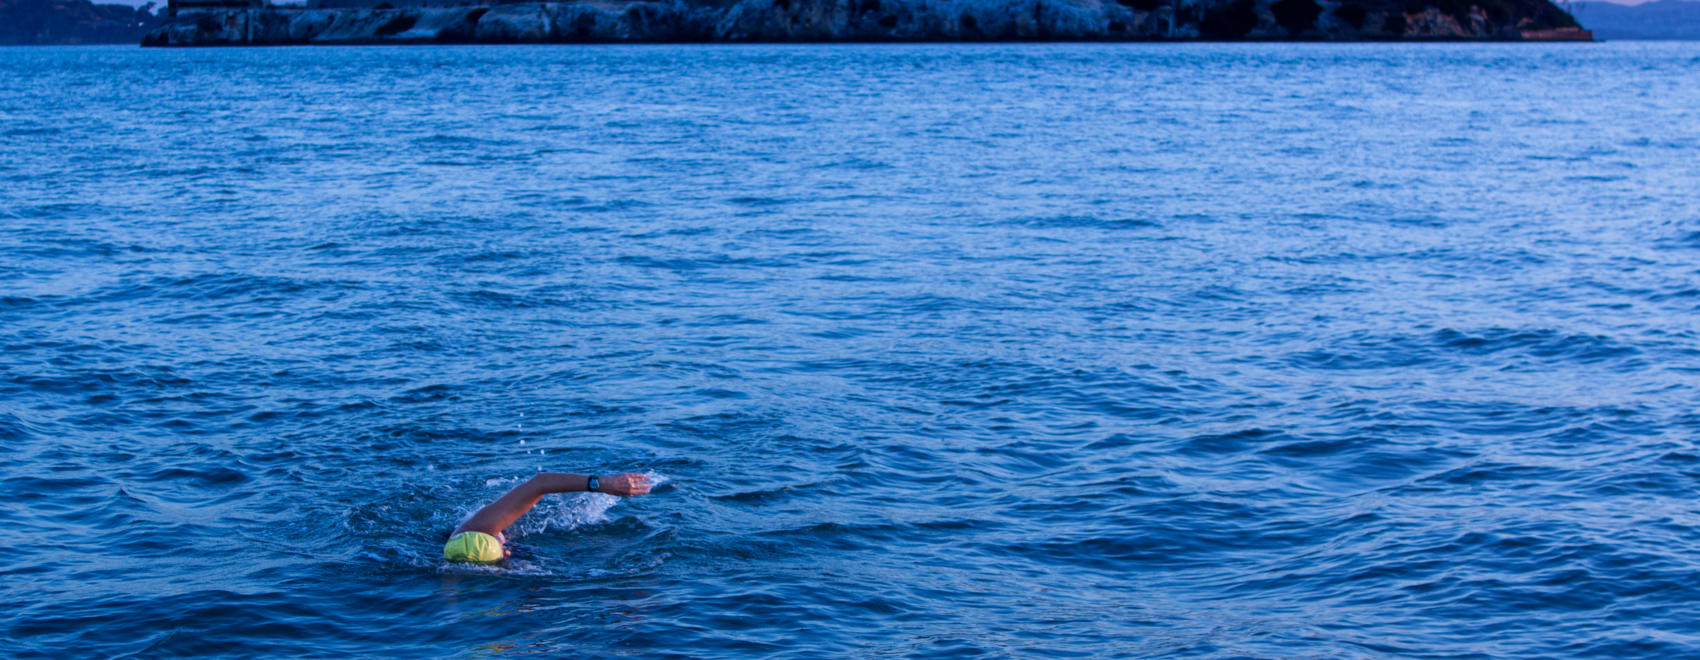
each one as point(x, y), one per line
point(1026, 351)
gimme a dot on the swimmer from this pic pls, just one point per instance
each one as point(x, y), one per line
point(480, 539)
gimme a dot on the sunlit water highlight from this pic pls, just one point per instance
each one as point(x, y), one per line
point(1190, 351)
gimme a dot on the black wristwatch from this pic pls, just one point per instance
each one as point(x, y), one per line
point(591, 486)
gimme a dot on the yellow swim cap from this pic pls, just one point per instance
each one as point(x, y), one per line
point(473, 546)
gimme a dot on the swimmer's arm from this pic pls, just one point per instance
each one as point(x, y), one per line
point(496, 516)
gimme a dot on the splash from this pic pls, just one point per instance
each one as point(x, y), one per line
point(568, 512)
point(517, 567)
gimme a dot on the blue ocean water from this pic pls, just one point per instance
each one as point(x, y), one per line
point(996, 351)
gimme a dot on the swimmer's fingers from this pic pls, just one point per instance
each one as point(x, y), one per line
point(640, 484)
point(627, 485)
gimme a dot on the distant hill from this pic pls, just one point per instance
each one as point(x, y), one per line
point(1665, 19)
point(41, 22)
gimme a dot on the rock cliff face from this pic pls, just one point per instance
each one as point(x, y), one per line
point(881, 21)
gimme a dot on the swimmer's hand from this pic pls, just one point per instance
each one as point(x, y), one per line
point(624, 485)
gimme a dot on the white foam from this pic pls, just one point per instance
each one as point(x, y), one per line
point(568, 513)
point(509, 567)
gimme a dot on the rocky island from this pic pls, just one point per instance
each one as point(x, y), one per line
point(698, 21)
